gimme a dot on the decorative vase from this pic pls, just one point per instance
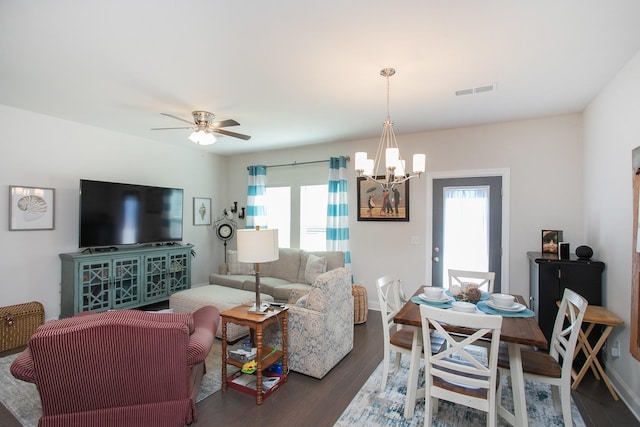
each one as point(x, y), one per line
point(584, 252)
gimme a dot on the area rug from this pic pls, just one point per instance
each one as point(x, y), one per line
point(22, 399)
point(373, 407)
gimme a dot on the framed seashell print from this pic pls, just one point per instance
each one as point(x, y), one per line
point(201, 211)
point(31, 208)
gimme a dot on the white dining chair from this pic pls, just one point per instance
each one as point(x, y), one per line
point(459, 374)
point(396, 338)
point(484, 279)
point(547, 367)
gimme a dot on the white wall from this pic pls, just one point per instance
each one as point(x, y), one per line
point(42, 151)
point(611, 132)
point(545, 161)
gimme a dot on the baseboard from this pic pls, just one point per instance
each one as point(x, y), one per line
point(624, 393)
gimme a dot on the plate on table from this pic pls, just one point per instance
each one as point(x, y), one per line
point(515, 308)
point(443, 298)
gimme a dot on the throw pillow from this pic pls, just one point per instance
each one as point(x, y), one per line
point(302, 301)
point(315, 266)
point(235, 267)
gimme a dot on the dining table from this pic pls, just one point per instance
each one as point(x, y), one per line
point(516, 332)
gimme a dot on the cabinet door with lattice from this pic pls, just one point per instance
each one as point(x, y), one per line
point(155, 277)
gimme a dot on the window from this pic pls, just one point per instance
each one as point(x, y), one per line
point(278, 206)
point(301, 222)
point(313, 217)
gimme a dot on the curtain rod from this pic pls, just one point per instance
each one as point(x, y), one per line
point(347, 158)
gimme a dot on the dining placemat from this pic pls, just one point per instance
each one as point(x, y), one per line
point(482, 306)
point(419, 300)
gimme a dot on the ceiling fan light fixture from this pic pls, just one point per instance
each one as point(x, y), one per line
point(202, 137)
point(204, 128)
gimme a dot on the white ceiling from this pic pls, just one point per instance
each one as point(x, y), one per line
point(298, 72)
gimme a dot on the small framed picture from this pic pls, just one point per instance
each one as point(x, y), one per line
point(550, 240)
point(201, 211)
point(378, 203)
point(31, 208)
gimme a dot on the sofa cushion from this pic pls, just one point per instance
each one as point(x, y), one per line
point(231, 280)
point(315, 266)
point(335, 259)
point(286, 267)
point(267, 284)
point(281, 293)
point(235, 267)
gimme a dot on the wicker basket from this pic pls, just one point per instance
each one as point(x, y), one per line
point(18, 323)
point(360, 304)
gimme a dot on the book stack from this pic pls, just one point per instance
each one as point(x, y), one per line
point(243, 355)
point(249, 381)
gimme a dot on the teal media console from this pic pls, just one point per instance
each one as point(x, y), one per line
point(123, 278)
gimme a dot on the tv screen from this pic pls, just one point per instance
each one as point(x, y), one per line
point(123, 214)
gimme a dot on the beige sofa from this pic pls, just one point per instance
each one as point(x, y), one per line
point(295, 269)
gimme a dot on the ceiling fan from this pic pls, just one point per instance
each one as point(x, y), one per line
point(204, 127)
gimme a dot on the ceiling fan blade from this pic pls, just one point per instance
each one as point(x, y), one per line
point(224, 123)
point(178, 118)
point(233, 134)
point(184, 127)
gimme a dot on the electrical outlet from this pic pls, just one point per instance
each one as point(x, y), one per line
point(615, 349)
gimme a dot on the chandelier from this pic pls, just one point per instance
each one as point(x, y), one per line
point(394, 171)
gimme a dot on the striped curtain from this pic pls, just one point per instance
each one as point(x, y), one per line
point(256, 214)
point(338, 210)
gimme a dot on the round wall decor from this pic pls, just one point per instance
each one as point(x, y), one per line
point(225, 231)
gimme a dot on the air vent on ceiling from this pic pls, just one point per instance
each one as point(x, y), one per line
point(480, 89)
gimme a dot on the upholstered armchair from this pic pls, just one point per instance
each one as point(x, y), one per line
point(124, 368)
point(320, 327)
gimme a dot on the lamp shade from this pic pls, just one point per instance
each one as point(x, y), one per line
point(257, 245)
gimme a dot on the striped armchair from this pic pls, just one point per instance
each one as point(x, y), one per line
point(124, 368)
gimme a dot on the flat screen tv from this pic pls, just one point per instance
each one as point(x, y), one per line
point(113, 214)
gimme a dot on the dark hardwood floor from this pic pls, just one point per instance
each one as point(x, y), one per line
point(305, 401)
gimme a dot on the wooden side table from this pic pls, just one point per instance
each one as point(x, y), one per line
point(594, 315)
point(265, 356)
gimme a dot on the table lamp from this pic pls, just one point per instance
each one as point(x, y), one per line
point(257, 246)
